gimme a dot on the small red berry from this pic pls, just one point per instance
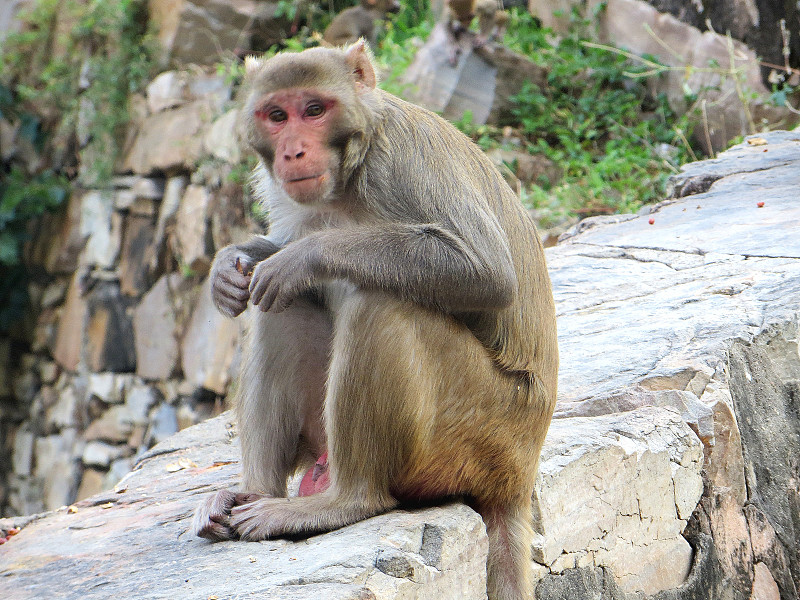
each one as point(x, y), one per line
point(651, 221)
point(760, 204)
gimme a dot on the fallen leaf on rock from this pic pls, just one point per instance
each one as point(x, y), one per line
point(72, 510)
point(107, 505)
point(183, 463)
point(757, 141)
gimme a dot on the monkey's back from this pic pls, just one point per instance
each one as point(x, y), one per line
point(521, 336)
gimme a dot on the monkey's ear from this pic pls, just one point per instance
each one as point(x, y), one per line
point(251, 65)
point(357, 57)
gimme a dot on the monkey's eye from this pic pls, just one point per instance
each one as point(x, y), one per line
point(314, 110)
point(277, 115)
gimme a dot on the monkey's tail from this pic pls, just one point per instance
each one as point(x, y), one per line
point(509, 563)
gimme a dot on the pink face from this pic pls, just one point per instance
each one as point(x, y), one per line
point(297, 123)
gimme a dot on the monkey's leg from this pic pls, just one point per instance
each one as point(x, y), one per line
point(280, 395)
point(279, 409)
point(372, 417)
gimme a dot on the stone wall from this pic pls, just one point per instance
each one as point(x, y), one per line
point(123, 347)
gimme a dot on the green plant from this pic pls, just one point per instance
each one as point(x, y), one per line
point(596, 120)
point(75, 64)
point(22, 198)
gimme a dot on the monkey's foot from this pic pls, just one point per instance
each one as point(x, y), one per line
point(211, 519)
point(317, 479)
point(273, 517)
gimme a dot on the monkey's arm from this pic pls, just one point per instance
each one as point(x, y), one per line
point(229, 284)
point(423, 263)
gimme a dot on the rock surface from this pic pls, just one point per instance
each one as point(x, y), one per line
point(668, 472)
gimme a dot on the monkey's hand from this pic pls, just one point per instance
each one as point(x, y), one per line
point(231, 271)
point(284, 276)
point(212, 517)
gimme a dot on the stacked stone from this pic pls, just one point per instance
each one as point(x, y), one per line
point(125, 346)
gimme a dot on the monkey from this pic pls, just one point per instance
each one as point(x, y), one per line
point(359, 21)
point(492, 20)
point(402, 336)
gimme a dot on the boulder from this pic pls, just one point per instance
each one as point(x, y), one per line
point(170, 140)
point(669, 472)
point(481, 82)
point(202, 31)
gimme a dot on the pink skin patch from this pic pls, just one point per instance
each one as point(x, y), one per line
point(316, 479)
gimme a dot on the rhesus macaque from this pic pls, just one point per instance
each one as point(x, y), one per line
point(359, 21)
point(492, 20)
point(403, 335)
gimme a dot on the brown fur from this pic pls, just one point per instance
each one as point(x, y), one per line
point(359, 22)
point(406, 320)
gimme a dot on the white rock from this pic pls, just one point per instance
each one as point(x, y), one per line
point(22, 460)
point(615, 491)
point(222, 140)
point(140, 399)
point(101, 455)
point(102, 228)
point(166, 91)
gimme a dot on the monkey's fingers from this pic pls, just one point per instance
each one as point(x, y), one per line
point(211, 519)
point(263, 290)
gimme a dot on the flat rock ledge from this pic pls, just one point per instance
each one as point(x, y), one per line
point(670, 471)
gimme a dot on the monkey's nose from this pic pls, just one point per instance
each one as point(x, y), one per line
point(295, 155)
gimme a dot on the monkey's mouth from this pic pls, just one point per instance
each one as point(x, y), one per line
point(307, 189)
point(308, 178)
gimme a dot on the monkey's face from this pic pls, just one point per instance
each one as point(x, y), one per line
point(297, 125)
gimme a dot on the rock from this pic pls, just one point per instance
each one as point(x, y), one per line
point(57, 468)
point(638, 27)
point(163, 424)
point(102, 228)
point(62, 238)
point(114, 427)
point(157, 355)
point(192, 229)
point(100, 455)
point(69, 339)
point(109, 331)
point(169, 140)
point(432, 553)
point(134, 267)
point(23, 452)
point(209, 345)
point(770, 551)
point(54, 294)
point(108, 387)
point(764, 586)
point(118, 470)
point(173, 192)
point(139, 400)
point(188, 29)
point(167, 90)
point(481, 82)
point(635, 479)
point(222, 139)
point(91, 483)
point(679, 352)
point(64, 414)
